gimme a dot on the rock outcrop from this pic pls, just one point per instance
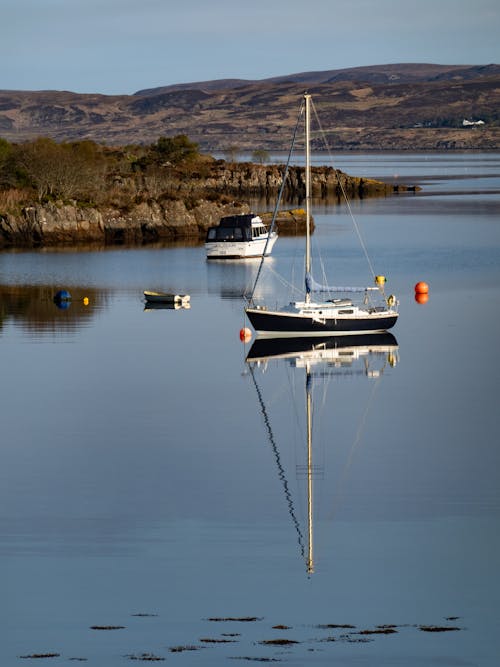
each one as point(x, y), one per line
point(247, 178)
point(57, 223)
point(199, 202)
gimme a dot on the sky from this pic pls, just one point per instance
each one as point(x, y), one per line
point(121, 46)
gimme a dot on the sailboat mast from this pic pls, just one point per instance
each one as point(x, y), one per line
point(310, 559)
point(307, 99)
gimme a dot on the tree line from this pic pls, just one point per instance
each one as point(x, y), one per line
point(94, 174)
point(86, 171)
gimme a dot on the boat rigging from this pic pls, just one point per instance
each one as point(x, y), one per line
point(338, 313)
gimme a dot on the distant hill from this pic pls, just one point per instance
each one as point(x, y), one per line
point(396, 106)
point(401, 73)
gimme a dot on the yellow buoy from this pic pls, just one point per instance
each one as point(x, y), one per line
point(380, 280)
point(86, 301)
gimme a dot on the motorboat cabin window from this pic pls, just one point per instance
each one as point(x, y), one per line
point(225, 234)
point(229, 234)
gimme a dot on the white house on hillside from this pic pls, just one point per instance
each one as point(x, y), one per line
point(468, 123)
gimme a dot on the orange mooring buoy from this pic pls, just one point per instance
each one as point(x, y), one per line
point(245, 335)
point(421, 297)
point(421, 288)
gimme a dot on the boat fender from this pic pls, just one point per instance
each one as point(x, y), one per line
point(245, 335)
point(391, 300)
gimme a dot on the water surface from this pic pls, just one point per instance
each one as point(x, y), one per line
point(151, 479)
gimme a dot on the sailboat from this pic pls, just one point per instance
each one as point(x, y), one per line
point(336, 315)
point(319, 358)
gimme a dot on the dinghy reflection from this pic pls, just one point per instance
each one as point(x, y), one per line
point(318, 360)
point(174, 305)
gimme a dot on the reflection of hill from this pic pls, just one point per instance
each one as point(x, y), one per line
point(33, 307)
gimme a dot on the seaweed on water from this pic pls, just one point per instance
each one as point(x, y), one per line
point(240, 619)
point(146, 657)
point(333, 626)
point(250, 659)
point(378, 631)
point(278, 642)
point(107, 627)
point(437, 628)
point(348, 639)
point(144, 615)
point(41, 655)
point(181, 649)
point(208, 640)
point(281, 627)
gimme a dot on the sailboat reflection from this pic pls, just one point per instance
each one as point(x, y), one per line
point(366, 356)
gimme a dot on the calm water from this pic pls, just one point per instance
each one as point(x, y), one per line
point(151, 480)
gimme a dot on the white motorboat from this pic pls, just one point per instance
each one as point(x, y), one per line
point(239, 237)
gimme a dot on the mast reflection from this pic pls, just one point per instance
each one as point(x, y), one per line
point(361, 355)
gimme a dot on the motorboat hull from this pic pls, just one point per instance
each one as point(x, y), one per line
point(240, 249)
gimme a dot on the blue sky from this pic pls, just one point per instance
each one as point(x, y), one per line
point(121, 46)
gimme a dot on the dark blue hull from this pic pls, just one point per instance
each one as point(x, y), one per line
point(288, 324)
point(266, 348)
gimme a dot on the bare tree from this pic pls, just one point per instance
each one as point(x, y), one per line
point(231, 153)
point(60, 170)
point(260, 155)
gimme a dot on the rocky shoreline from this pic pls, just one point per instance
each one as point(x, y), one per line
point(184, 217)
point(57, 224)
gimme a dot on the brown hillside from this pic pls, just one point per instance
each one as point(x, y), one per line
point(405, 106)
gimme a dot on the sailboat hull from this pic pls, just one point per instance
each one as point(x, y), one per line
point(320, 347)
point(280, 324)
